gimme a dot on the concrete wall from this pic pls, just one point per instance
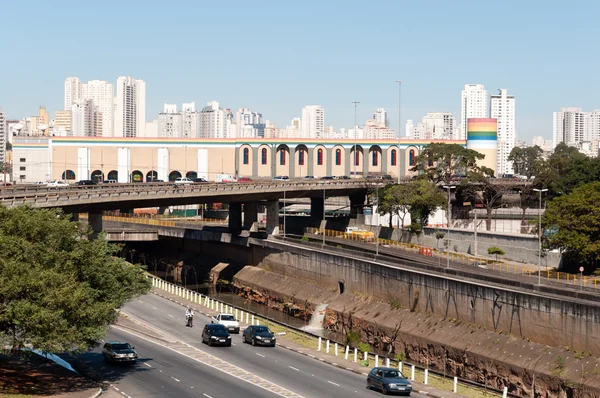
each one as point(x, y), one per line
point(546, 318)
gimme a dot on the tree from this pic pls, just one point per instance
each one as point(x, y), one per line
point(396, 200)
point(427, 198)
point(485, 192)
point(58, 290)
point(574, 222)
point(526, 160)
point(495, 251)
point(441, 162)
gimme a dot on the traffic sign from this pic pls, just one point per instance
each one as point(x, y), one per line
point(581, 269)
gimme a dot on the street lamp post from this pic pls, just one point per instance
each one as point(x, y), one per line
point(448, 187)
point(540, 236)
point(377, 225)
point(355, 135)
point(284, 211)
point(323, 222)
point(399, 126)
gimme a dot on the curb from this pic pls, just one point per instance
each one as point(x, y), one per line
point(429, 394)
point(98, 393)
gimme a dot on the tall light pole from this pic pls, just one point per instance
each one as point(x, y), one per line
point(399, 127)
point(323, 222)
point(540, 237)
point(377, 226)
point(448, 187)
point(284, 210)
point(355, 135)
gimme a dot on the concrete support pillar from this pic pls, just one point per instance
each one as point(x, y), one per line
point(74, 217)
point(356, 205)
point(235, 217)
point(95, 221)
point(272, 217)
point(316, 211)
point(329, 161)
point(384, 161)
point(311, 160)
point(250, 214)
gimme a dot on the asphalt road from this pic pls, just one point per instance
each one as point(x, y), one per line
point(295, 372)
point(162, 373)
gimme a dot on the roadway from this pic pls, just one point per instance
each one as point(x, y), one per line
point(159, 366)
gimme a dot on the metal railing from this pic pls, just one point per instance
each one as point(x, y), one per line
point(161, 222)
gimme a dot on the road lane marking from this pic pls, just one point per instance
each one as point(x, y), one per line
point(154, 308)
point(214, 362)
point(260, 355)
point(297, 370)
point(178, 381)
point(207, 396)
point(147, 364)
point(331, 382)
point(170, 315)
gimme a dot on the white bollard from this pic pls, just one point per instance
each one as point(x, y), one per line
point(346, 354)
point(153, 282)
point(221, 307)
point(387, 362)
point(236, 314)
point(247, 315)
point(327, 347)
point(455, 388)
point(365, 356)
point(376, 360)
point(319, 345)
point(336, 349)
point(400, 367)
point(257, 322)
point(355, 354)
point(426, 378)
point(412, 372)
point(226, 309)
point(252, 320)
point(505, 392)
point(206, 301)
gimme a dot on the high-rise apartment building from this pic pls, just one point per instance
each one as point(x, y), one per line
point(62, 120)
point(190, 120)
point(102, 94)
point(433, 126)
point(474, 104)
point(86, 120)
point(212, 121)
point(3, 136)
point(381, 117)
point(249, 124)
point(568, 126)
point(313, 121)
point(374, 130)
point(170, 122)
point(72, 92)
point(130, 107)
point(502, 108)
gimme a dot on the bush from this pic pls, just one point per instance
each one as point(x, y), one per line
point(364, 347)
point(400, 357)
point(364, 363)
point(352, 338)
point(305, 239)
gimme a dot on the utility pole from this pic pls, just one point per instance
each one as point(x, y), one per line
point(399, 126)
point(540, 236)
point(448, 187)
point(323, 222)
point(355, 136)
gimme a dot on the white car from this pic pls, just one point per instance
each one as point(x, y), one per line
point(57, 184)
point(183, 181)
point(231, 324)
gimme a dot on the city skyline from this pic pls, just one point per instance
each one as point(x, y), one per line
point(277, 73)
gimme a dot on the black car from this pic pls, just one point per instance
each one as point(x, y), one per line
point(327, 178)
point(388, 381)
point(117, 351)
point(215, 334)
point(199, 180)
point(86, 182)
point(258, 335)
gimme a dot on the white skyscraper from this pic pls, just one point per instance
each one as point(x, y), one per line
point(381, 117)
point(72, 92)
point(130, 108)
point(86, 121)
point(170, 122)
point(568, 126)
point(313, 121)
point(102, 93)
point(3, 136)
point(474, 104)
point(433, 126)
point(502, 108)
point(212, 121)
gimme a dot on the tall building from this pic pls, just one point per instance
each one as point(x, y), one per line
point(62, 120)
point(374, 130)
point(72, 92)
point(130, 107)
point(86, 120)
point(170, 122)
point(568, 126)
point(102, 94)
point(313, 121)
point(433, 126)
point(249, 124)
point(212, 121)
point(474, 104)
point(3, 136)
point(543, 143)
point(381, 117)
point(190, 121)
point(502, 108)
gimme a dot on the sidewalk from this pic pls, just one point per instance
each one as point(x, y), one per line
point(37, 375)
point(307, 345)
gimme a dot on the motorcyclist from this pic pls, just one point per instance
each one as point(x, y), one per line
point(189, 316)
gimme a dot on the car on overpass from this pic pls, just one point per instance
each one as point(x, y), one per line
point(281, 178)
point(183, 181)
point(57, 184)
point(86, 182)
point(199, 180)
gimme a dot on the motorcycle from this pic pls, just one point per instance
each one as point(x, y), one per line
point(189, 321)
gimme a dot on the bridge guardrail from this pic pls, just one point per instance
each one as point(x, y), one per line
point(157, 222)
point(493, 265)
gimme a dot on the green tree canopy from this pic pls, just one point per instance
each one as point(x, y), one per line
point(574, 223)
point(440, 162)
point(526, 160)
point(427, 198)
point(58, 290)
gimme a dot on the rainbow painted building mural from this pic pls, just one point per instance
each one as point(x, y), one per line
point(482, 136)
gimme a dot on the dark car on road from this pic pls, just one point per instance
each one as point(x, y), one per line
point(86, 182)
point(258, 335)
point(118, 351)
point(388, 381)
point(199, 180)
point(215, 334)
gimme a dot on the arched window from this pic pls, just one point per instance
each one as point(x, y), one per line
point(263, 156)
point(246, 161)
point(338, 157)
point(301, 157)
point(375, 158)
point(356, 158)
point(411, 157)
point(282, 157)
point(320, 157)
point(394, 159)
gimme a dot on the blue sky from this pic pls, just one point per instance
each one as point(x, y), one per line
point(277, 56)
